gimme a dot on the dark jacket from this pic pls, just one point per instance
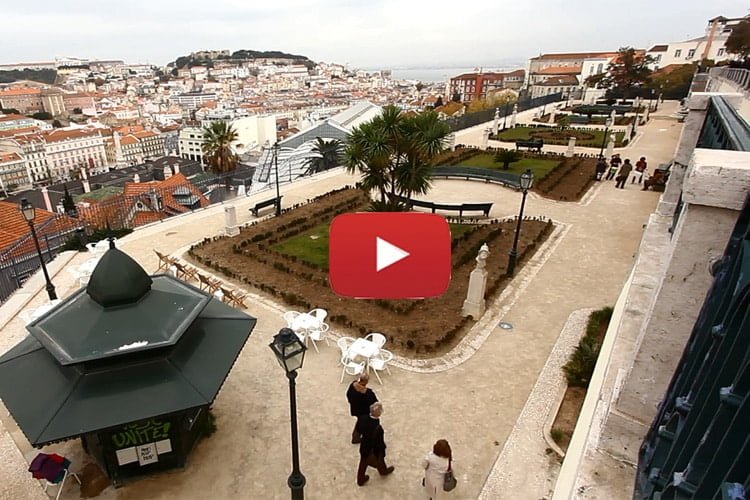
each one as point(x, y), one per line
point(373, 437)
point(359, 403)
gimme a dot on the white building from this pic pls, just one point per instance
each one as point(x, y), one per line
point(190, 143)
point(31, 147)
point(192, 100)
point(71, 150)
point(709, 46)
point(13, 171)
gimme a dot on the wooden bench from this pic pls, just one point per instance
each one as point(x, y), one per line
point(533, 144)
point(265, 204)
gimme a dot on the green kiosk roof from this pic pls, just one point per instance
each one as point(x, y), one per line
point(126, 348)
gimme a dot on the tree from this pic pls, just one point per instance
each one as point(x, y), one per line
point(439, 101)
point(627, 71)
point(67, 202)
point(563, 122)
point(9, 111)
point(419, 86)
point(77, 111)
point(394, 152)
point(675, 84)
point(456, 97)
point(42, 115)
point(218, 137)
point(327, 155)
point(739, 40)
point(506, 157)
point(57, 124)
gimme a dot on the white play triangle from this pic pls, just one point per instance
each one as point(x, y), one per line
point(387, 254)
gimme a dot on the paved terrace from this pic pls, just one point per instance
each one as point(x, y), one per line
point(473, 396)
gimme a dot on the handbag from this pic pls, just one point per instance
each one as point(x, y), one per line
point(449, 480)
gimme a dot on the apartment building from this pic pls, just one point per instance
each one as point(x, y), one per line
point(71, 150)
point(26, 100)
point(192, 100)
point(190, 143)
point(30, 147)
point(12, 171)
point(476, 86)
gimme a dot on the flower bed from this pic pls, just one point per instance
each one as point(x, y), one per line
point(416, 327)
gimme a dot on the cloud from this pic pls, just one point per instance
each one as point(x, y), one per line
point(374, 33)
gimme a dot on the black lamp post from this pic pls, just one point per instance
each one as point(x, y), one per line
point(607, 124)
point(637, 103)
point(290, 352)
point(28, 212)
point(505, 118)
point(276, 166)
point(526, 181)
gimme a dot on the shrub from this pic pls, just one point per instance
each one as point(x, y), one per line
point(556, 434)
point(582, 361)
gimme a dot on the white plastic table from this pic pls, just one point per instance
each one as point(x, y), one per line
point(365, 349)
point(305, 322)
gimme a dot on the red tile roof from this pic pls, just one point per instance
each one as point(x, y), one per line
point(560, 70)
point(8, 157)
point(19, 92)
point(13, 227)
point(575, 55)
point(64, 135)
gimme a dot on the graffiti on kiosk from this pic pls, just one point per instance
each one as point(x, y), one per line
point(140, 433)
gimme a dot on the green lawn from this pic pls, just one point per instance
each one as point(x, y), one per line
point(312, 246)
point(585, 138)
point(539, 167)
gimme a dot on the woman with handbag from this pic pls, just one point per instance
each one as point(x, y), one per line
point(437, 465)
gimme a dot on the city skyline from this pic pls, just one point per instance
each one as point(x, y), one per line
point(383, 34)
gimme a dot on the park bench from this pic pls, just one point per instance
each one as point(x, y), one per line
point(264, 204)
point(531, 144)
point(658, 181)
point(460, 208)
point(476, 173)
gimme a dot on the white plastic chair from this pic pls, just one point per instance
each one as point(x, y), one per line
point(351, 367)
point(380, 362)
point(376, 338)
point(289, 317)
point(344, 343)
point(319, 334)
point(320, 314)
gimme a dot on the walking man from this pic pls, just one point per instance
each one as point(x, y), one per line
point(372, 447)
point(614, 165)
point(622, 176)
point(640, 169)
point(360, 399)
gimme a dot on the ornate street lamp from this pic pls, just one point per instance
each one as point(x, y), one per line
point(505, 113)
point(637, 103)
point(526, 181)
point(276, 166)
point(290, 352)
point(607, 125)
point(29, 212)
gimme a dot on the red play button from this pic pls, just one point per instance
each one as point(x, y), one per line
point(389, 255)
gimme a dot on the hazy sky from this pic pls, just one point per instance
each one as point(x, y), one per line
point(364, 33)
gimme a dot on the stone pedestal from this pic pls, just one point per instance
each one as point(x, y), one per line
point(571, 147)
point(230, 221)
point(514, 116)
point(496, 121)
point(552, 116)
point(610, 146)
point(475, 305)
point(485, 138)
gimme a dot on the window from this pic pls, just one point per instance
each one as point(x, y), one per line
point(591, 70)
point(720, 52)
point(678, 52)
point(691, 53)
point(600, 68)
point(658, 58)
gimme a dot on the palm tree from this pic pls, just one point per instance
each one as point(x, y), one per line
point(327, 155)
point(217, 147)
point(506, 157)
point(394, 153)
